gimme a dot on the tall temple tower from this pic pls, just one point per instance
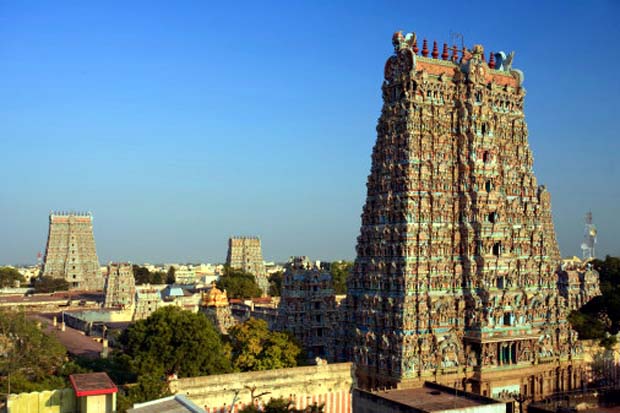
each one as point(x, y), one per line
point(308, 308)
point(70, 252)
point(455, 276)
point(245, 253)
point(120, 286)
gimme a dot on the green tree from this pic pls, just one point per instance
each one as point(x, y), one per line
point(254, 347)
point(31, 360)
point(275, 284)
point(600, 317)
point(172, 340)
point(142, 276)
point(238, 284)
point(9, 277)
point(170, 276)
point(148, 387)
point(50, 285)
point(340, 271)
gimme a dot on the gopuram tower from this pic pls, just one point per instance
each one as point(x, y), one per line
point(70, 252)
point(245, 253)
point(455, 278)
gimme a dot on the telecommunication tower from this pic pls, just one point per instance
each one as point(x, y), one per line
point(589, 239)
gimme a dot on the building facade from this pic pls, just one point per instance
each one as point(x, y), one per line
point(245, 253)
point(70, 253)
point(308, 308)
point(120, 286)
point(455, 277)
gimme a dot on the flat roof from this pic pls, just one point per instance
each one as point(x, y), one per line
point(92, 384)
point(433, 397)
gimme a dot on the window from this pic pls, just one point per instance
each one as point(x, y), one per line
point(497, 249)
point(492, 217)
point(486, 157)
point(507, 319)
point(488, 186)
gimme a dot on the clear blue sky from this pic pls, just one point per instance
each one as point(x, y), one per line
point(180, 123)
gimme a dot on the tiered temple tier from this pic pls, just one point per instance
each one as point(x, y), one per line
point(457, 251)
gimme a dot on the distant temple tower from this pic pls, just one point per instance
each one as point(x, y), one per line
point(455, 277)
point(214, 304)
point(120, 286)
point(70, 252)
point(245, 253)
point(308, 308)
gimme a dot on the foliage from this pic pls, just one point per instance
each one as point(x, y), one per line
point(115, 365)
point(9, 277)
point(31, 360)
point(50, 285)
point(148, 387)
point(254, 347)
point(281, 405)
point(588, 326)
point(142, 275)
point(170, 276)
point(172, 340)
point(600, 317)
point(275, 284)
point(238, 284)
point(340, 271)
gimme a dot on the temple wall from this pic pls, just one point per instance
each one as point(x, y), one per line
point(330, 384)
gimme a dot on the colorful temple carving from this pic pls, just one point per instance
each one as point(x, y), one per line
point(308, 308)
point(70, 253)
point(578, 283)
point(455, 278)
point(245, 253)
point(120, 286)
point(214, 304)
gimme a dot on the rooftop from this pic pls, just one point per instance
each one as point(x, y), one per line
point(171, 404)
point(92, 384)
point(431, 398)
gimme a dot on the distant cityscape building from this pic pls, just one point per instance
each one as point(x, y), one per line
point(308, 307)
point(120, 286)
point(184, 275)
point(245, 253)
point(455, 277)
point(70, 252)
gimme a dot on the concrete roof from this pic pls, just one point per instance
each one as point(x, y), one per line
point(171, 404)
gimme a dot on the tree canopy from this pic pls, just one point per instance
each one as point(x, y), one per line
point(600, 317)
point(172, 340)
point(275, 284)
point(238, 284)
point(9, 277)
point(255, 348)
point(170, 275)
point(340, 271)
point(142, 275)
point(31, 359)
point(50, 284)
